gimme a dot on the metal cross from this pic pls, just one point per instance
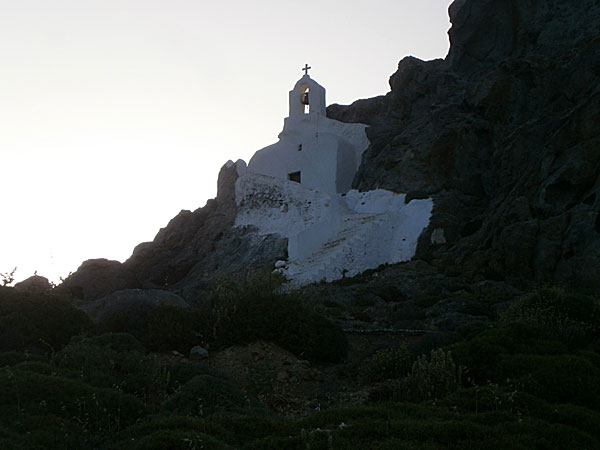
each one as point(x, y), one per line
point(306, 67)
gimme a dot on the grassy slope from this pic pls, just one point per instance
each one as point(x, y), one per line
point(528, 380)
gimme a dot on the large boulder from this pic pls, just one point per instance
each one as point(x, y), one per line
point(35, 284)
point(130, 305)
point(96, 278)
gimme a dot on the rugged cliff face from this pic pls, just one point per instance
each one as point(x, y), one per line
point(194, 249)
point(504, 134)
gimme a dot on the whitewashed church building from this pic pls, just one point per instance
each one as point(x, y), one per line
point(300, 188)
point(318, 152)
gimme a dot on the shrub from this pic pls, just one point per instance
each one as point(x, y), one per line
point(35, 366)
point(430, 379)
point(558, 379)
point(135, 373)
point(182, 371)
point(494, 398)
point(430, 341)
point(119, 342)
point(204, 395)
point(433, 378)
point(39, 322)
point(390, 293)
point(481, 352)
point(254, 313)
point(425, 300)
point(241, 429)
point(393, 362)
point(175, 440)
point(47, 432)
point(162, 327)
point(169, 327)
point(555, 313)
point(36, 394)
point(12, 358)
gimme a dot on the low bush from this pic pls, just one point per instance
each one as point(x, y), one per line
point(182, 371)
point(119, 342)
point(257, 312)
point(142, 375)
point(558, 314)
point(162, 328)
point(431, 341)
point(390, 293)
point(204, 395)
point(239, 430)
point(12, 358)
point(393, 362)
point(481, 351)
point(174, 440)
point(39, 322)
point(25, 392)
point(169, 327)
point(35, 366)
point(429, 379)
point(557, 379)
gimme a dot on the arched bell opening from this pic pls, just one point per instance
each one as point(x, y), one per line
point(304, 99)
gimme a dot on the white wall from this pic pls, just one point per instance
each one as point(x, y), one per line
point(331, 235)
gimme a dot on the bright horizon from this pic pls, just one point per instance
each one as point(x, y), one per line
point(114, 116)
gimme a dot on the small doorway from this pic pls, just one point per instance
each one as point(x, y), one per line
point(295, 176)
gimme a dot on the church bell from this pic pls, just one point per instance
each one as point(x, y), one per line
point(305, 98)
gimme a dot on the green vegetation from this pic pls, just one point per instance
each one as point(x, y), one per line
point(257, 311)
point(236, 315)
point(530, 380)
point(389, 363)
point(37, 323)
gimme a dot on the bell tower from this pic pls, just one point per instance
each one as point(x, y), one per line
point(307, 97)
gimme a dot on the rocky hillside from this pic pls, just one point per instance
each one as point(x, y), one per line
point(504, 134)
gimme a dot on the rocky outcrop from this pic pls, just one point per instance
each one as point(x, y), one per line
point(129, 307)
point(187, 255)
point(35, 285)
point(504, 134)
point(187, 238)
point(197, 247)
point(96, 278)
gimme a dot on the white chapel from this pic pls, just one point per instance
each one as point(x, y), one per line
point(318, 152)
point(301, 188)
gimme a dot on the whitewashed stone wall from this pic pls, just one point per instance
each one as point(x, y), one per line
point(331, 235)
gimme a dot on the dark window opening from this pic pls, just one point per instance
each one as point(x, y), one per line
point(299, 147)
point(294, 176)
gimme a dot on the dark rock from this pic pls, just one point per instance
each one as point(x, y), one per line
point(35, 284)
point(198, 353)
point(504, 135)
point(361, 111)
point(130, 304)
point(187, 255)
point(197, 247)
point(96, 278)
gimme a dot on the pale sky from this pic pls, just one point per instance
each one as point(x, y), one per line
point(116, 115)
